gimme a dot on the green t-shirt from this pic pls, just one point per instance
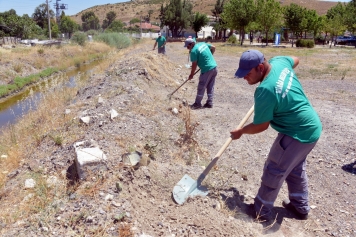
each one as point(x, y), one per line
point(280, 99)
point(160, 41)
point(201, 54)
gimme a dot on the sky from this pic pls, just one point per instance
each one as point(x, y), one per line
point(74, 6)
point(28, 6)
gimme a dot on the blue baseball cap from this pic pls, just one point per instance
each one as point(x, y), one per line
point(188, 41)
point(249, 59)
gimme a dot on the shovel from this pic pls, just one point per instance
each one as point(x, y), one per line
point(170, 95)
point(188, 187)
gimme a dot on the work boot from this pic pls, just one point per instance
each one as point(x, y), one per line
point(207, 105)
point(289, 206)
point(196, 106)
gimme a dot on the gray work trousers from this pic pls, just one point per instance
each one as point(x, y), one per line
point(162, 50)
point(286, 162)
point(206, 81)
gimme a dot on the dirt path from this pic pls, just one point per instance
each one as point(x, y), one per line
point(137, 86)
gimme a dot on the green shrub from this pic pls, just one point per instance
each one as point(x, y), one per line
point(232, 39)
point(305, 43)
point(114, 39)
point(79, 38)
point(40, 51)
point(92, 32)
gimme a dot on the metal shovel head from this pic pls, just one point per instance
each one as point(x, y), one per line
point(188, 187)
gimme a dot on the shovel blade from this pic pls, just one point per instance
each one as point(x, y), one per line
point(188, 187)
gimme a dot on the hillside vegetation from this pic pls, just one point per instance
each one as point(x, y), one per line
point(128, 10)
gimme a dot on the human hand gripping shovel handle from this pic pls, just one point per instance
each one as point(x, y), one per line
point(188, 187)
point(170, 95)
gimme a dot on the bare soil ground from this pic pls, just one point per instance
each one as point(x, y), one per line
point(137, 86)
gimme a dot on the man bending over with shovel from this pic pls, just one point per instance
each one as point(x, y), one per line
point(201, 54)
point(280, 102)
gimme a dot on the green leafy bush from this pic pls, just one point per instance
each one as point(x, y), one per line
point(114, 39)
point(305, 43)
point(92, 32)
point(232, 39)
point(79, 38)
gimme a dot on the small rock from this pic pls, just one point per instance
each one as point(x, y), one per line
point(113, 114)
point(30, 183)
point(85, 120)
point(118, 186)
point(109, 197)
point(175, 111)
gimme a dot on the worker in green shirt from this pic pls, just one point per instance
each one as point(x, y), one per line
point(161, 41)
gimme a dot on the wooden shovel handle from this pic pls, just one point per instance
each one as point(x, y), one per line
point(182, 84)
point(223, 148)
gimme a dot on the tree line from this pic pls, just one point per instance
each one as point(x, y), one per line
point(243, 16)
point(266, 16)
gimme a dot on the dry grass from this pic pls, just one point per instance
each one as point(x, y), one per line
point(125, 230)
point(20, 141)
point(315, 63)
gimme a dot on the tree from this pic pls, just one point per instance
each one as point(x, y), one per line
point(176, 15)
point(148, 17)
point(134, 20)
point(110, 17)
point(293, 17)
point(238, 14)
point(218, 9)
point(335, 27)
point(90, 21)
point(350, 16)
point(13, 25)
point(311, 22)
point(67, 25)
point(199, 21)
point(40, 15)
point(116, 26)
point(337, 10)
point(269, 15)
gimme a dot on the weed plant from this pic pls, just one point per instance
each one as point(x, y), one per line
point(79, 38)
point(114, 39)
point(20, 82)
point(45, 124)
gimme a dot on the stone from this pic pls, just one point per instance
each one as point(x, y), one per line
point(132, 159)
point(30, 183)
point(85, 120)
point(89, 158)
point(113, 114)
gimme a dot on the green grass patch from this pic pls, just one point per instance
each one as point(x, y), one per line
point(114, 39)
point(21, 82)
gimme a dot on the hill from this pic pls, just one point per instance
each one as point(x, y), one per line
point(128, 10)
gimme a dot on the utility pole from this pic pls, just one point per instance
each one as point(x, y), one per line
point(140, 26)
point(49, 21)
point(59, 9)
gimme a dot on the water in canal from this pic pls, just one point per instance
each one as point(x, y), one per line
point(27, 100)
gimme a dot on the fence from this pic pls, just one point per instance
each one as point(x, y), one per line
point(9, 40)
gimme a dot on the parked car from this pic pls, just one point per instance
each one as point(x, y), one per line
point(346, 40)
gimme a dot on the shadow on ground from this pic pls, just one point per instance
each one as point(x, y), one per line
point(351, 168)
point(246, 212)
